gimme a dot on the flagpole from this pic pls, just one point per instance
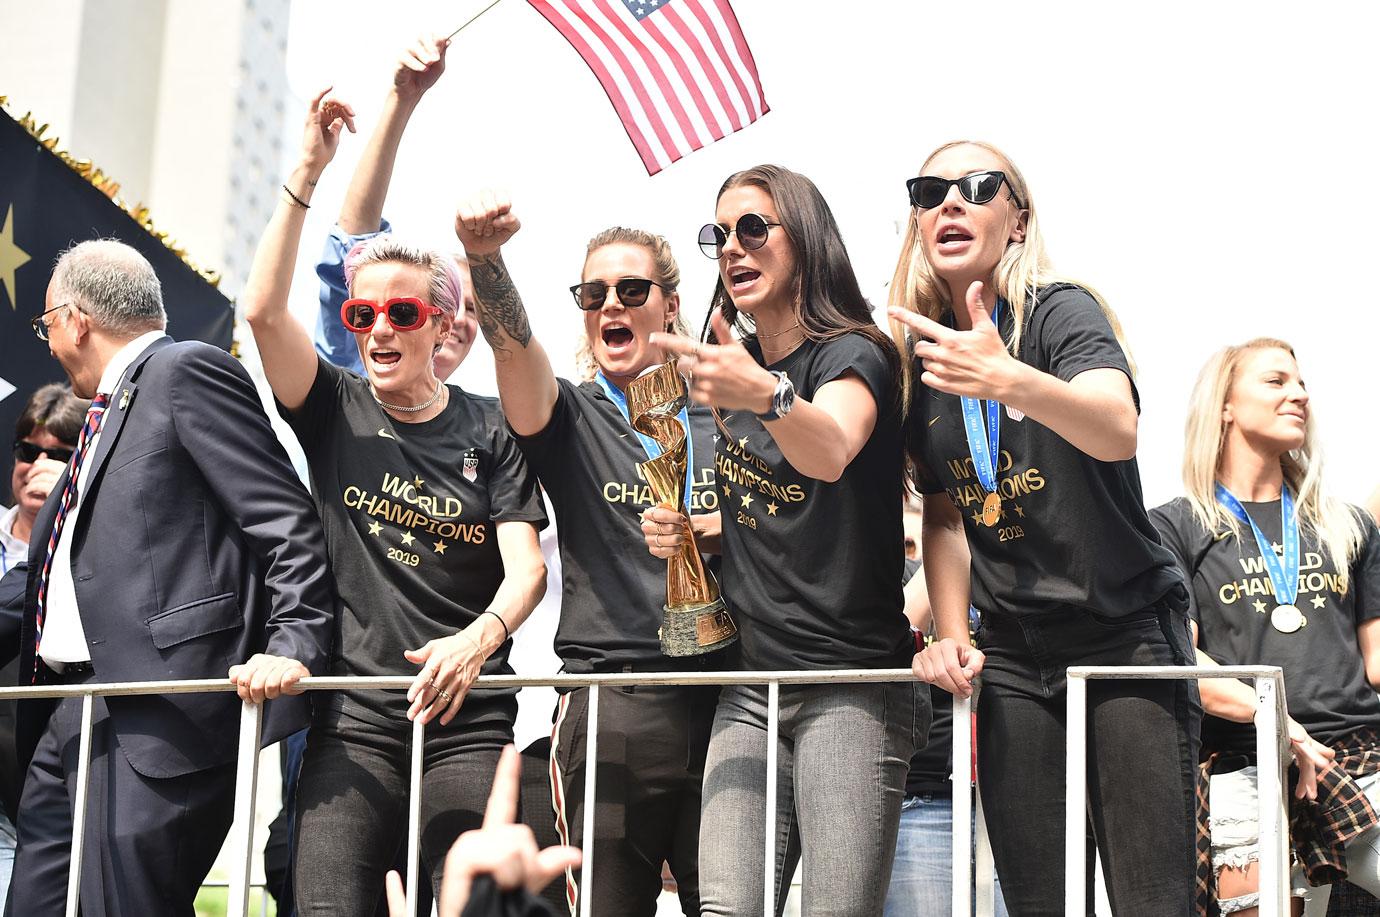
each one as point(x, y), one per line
point(472, 19)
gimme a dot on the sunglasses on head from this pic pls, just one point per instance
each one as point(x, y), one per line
point(929, 191)
point(26, 452)
point(752, 232)
point(632, 292)
point(405, 313)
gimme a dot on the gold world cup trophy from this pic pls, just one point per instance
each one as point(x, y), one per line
point(695, 619)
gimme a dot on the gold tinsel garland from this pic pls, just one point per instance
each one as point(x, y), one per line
point(111, 189)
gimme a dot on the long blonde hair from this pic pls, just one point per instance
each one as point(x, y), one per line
point(1205, 433)
point(1023, 269)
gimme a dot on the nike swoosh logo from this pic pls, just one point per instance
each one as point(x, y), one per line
point(933, 421)
point(386, 435)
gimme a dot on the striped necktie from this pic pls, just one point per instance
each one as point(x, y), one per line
point(69, 497)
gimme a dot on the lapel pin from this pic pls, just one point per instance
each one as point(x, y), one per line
point(124, 399)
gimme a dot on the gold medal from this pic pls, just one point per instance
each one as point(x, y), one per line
point(991, 510)
point(1287, 618)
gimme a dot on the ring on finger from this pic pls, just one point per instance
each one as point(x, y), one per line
point(444, 695)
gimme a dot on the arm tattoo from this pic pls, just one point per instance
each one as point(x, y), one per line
point(502, 317)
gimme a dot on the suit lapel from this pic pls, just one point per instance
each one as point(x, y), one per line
point(121, 403)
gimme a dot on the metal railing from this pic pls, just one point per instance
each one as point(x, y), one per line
point(1270, 694)
point(1271, 744)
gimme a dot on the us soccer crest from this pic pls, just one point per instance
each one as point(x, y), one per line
point(470, 466)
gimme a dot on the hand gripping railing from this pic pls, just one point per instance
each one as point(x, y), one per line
point(1271, 744)
point(242, 828)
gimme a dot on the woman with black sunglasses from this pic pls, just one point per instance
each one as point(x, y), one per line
point(431, 519)
point(810, 472)
point(578, 439)
point(1022, 429)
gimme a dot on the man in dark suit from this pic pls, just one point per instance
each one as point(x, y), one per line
point(179, 544)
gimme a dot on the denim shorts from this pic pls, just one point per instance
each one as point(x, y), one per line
point(1234, 821)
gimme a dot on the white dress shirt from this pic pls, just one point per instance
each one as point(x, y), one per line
point(12, 550)
point(63, 638)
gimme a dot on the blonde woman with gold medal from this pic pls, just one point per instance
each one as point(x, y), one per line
point(1022, 428)
point(1281, 575)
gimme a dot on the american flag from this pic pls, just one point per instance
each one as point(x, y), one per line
point(679, 72)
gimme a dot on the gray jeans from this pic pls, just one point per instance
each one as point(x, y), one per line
point(842, 759)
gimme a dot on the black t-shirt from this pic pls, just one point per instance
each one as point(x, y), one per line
point(409, 511)
point(812, 570)
point(614, 589)
point(1073, 532)
point(1231, 601)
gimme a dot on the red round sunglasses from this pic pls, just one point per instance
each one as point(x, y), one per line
point(404, 313)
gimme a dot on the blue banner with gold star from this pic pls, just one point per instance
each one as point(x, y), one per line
point(45, 207)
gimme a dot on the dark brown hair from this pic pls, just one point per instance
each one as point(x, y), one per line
point(53, 409)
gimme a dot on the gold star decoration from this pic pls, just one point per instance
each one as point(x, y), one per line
point(742, 443)
point(407, 539)
point(1019, 512)
point(417, 482)
point(375, 528)
point(1319, 601)
point(771, 509)
point(1277, 547)
point(727, 492)
point(1259, 606)
point(440, 547)
point(977, 518)
point(747, 500)
point(12, 258)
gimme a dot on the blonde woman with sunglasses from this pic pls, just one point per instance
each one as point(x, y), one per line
point(1022, 428)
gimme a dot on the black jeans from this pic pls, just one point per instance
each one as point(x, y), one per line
point(652, 745)
point(352, 802)
point(1142, 749)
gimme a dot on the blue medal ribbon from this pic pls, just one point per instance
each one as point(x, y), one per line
point(1285, 578)
point(649, 445)
point(984, 445)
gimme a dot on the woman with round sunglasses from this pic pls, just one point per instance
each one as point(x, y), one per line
point(1279, 574)
point(579, 440)
point(809, 467)
point(1022, 430)
point(431, 519)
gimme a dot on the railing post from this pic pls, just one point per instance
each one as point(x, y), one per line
point(414, 811)
point(982, 864)
point(1075, 795)
point(246, 792)
point(79, 807)
point(769, 855)
point(591, 777)
point(961, 897)
point(1272, 871)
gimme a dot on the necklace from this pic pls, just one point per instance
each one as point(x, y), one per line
point(776, 334)
point(414, 408)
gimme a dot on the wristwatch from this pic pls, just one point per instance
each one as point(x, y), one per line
point(782, 399)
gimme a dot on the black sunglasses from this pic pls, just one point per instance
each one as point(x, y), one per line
point(752, 232)
point(632, 292)
point(929, 191)
point(25, 451)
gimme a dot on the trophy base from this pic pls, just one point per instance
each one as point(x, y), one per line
point(692, 630)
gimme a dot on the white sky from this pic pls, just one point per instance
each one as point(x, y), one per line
point(1209, 167)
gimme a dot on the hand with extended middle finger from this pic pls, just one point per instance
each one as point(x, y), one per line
point(664, 530)
point(723, 375)
point(326, 118)
point(41, 478)
point(265, 677)
point(502, 849)
point(974, 363)
point(485, 222)
point(419, 67)
point(449, 666)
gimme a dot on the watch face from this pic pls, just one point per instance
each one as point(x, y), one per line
point(785, 396)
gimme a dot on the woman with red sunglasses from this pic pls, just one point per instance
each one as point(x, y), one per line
point(1022, 428)
point(431, 518)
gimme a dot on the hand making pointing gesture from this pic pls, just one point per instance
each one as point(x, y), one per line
point(974, 363)
point(722, 375)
